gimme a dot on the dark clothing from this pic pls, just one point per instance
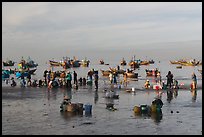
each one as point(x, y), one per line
point(194, 80)
point(45, 76)
point(96, 80)
point(75, 78)
point(84, 81)
point(80, 81)
point(169, 79)
point(157, 102)
point(69, 79)
point(40, 83)
point(29, 78)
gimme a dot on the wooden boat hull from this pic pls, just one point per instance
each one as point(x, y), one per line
point(131, 75)
point(134, 64)
point(8, 64)
point(144, 63)
point(151, 72)
point(54, 63)
point(105, 72)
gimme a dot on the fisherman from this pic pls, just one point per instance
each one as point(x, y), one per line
point(96, 80)
point(45, 76)
point(13, 83)
point(23, 82)
point(29, 79)
point(75, 78)
point(111, 77)
point(194, 78)
point(147, 84)
point(90, 74)
point(84, 81)
point(40, 83)
point(169, 79)
point(114, 78)
point(69, 79)
point(175, 84)
point(118, 67)
point(80, 81)
point(125, 79)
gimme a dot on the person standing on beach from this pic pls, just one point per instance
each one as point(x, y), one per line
point(111, 77)
point(96, 80)
point(125, 79)
point(29, 79)
point(69, 79)
point(169, 79)
point(75, 78)
point(45, 76)
point(194, 78)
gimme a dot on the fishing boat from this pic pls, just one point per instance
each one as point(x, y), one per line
point(131, 74)
point(75, 63)
point(116, 71)
point(151, 61)
point(8, 63)
point(178, 61)
point(30, 63)
point(190, 63)
point(105, 72)
point(101, 62)
point(85, 63)
point(144, 63)
point(123, 62)
point(152, 72)
point(54, 63)
point(134, 64)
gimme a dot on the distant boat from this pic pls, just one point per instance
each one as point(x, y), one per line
point(54, 63)
point(30, 63)
point(131, 74)
point(8, 63)
point(151, 61)
point(144, 62)
point(105, 72)
point(85, 63)
point(75, 63)
point(101, 62)
point(152, 72)
point(123, 62)
point(133, 64)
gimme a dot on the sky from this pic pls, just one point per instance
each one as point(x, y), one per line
point(37, 28)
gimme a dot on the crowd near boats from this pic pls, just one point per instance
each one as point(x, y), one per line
point(29, 66)
point(64, 79)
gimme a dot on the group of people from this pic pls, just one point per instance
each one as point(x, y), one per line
point(66, 80)
point(171, 82)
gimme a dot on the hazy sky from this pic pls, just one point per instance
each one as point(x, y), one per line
point(36, 27)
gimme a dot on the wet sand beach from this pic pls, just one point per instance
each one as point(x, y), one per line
point(35, 111)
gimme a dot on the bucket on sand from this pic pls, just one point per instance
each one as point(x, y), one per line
point(88, 109)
